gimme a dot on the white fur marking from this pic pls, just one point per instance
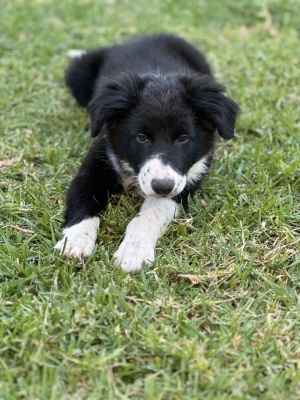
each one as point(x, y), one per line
point(155, 168)
point(122, 167)
point(126, 167)
point(76, 53)
point(114, 160)
point(197, 170)
point(80, 238)
point(142, 233)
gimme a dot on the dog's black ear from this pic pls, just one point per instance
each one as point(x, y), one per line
point(116, 98)
point(209, 101)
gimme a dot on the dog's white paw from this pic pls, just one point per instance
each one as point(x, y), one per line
point(132, 253)
point(79, 240)
point(80, 246)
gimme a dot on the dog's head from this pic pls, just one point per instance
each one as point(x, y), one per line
point(163, 128)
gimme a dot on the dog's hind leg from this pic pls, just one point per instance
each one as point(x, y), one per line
point(73, 53)
point(82, 73)
point(142, 233)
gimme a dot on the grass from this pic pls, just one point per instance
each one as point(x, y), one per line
point(217, 315)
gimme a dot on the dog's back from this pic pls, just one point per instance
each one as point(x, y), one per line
point(158, 54)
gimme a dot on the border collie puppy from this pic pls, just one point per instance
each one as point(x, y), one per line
point(156, 111)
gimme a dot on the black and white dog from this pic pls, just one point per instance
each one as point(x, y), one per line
point(155, 110)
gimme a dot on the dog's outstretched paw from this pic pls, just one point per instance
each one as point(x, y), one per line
point(132, 253)
point(79, 239)
point(79, 247)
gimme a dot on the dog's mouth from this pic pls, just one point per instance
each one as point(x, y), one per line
point(134, 183)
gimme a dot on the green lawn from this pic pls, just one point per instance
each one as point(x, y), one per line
point(230, 331)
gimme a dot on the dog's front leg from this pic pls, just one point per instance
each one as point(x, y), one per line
point(87, 196)
point(142, 233)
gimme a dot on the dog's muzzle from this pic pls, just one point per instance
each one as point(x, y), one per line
point(159, 179)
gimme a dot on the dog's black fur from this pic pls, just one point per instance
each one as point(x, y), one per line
point(159, 89)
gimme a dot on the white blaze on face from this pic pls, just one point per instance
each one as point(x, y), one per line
point(156, 169)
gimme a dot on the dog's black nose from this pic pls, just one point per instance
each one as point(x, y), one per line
point(162, 186)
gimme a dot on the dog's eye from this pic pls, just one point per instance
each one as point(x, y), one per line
point(182, 138)
point(142, 138)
